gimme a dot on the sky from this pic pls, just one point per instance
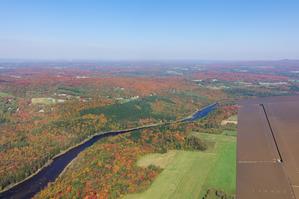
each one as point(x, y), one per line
point(149, 29)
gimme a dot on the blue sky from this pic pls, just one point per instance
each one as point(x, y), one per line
point(149, 29)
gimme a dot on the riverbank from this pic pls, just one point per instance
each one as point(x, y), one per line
point(79, 144)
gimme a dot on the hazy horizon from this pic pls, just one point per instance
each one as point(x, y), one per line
point(149, 30)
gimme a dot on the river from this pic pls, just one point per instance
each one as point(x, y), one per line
point(49, 173)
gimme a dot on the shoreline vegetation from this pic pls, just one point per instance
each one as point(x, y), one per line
point(189, 118)
point(80, 143)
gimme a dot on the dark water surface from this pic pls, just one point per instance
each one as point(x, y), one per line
point(35, 184)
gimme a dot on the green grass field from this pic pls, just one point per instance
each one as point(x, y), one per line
point(189, 174)
point(222, 175)
point(2, 94)
point(43, 100)
point(230, 132)
point(157, 159)
point(233, 118)
point(181, 178)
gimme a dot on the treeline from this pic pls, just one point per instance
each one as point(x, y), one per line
point(164, 138)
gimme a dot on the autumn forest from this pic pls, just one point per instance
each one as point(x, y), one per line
point(48, 108)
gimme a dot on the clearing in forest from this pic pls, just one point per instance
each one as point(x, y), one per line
point(189, 174)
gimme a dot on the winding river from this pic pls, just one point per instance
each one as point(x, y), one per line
point(31, 186)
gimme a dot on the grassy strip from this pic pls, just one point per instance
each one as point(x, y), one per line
point(222, 175)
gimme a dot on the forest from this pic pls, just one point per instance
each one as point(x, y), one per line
point(45, 111)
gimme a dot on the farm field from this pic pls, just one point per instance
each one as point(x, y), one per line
point(181, 178)
point(190, 174)
point(222, 175)
point(157, 159)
